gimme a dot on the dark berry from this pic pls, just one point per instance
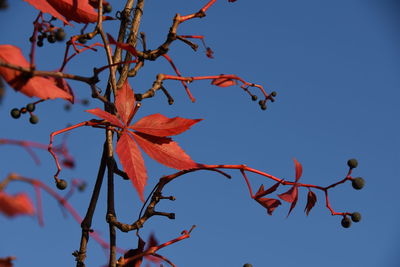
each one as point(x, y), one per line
point(34, 119)
point(107, 8)
point(356, 216)
point(248, 265)
point(39, 43)
point(82, 187)
point(31, 39)
point(352, 163)
point(171, 216)
point(261, 102)
point(61, 184)
point(30, 107)
point(85, 102)
point(60, 35)
point(346, 222)
point(273, 93)
point(254, 97)
point(15, 113)
point(358, 183)
point(67, 107)
point(51, 38)
point(264, 107)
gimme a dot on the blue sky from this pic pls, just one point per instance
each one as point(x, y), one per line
point(335, 67)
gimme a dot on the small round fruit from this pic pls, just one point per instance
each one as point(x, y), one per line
point(352, 163)
point(261, 102)
point(34, 119)
point(60, 35)
point(51, 38)
point(273, 93)
point(85, 102)
point(61, 184)
point(40, 43)
point(248, 265)
point(254, 97)
point(107, 8)
point(15, 113)
point(358, 183)
point(264, 107)
point(346, 222)
point(356, 216)
point(30, 107)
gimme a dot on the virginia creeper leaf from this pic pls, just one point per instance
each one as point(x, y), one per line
point(46, 7)
point(261, 192)
point(290, 195)
point(294, 202)
point(164, 150)
point(311, 200)
point(269, 203)
point(76, 10)
point(106, 116)
point(298, 169)
point(159, 125)
point(125, 101)
point(133, 252)
point(19, 204)
point(132, 162)
point(123, 46)
point(223, 82)
point(151, 242)
point(41, 87)
point(6, 262)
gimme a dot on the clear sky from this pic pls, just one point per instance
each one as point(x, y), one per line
point(335, 66)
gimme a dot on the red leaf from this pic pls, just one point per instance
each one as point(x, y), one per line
point(106, 116)
point(123, 46)
point(45, 7)
point(261, 192)
point(125, 102)
point(209, 53)
point(132, 162)
point(311, 200)
point(41, 87)
point(6, 262)
point(290, 195)
point(79, 11)
point(160, 125)
point(299, 169)
point(133, 252)
point(151, 242)
point(269, 203)
point(293, 203)
point(223, 82)
point(165, 151)
point(19, 204)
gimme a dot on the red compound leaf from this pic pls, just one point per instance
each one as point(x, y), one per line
point(132, 162)
point(164, 150)
point(291, 195)
point(223, 82)
point(123, 46)
point(106, 116)
point(269, 203)
point(125, 102)
point(19, 204)
point(46, 7)
point(41, 87)
point(162, 126)
point(261, 192)
point(311, 200)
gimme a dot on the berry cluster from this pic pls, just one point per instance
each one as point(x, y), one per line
point(84, 102)
point(357, 183)
point(51, 35)
point(16, 113)
point(263, 103)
